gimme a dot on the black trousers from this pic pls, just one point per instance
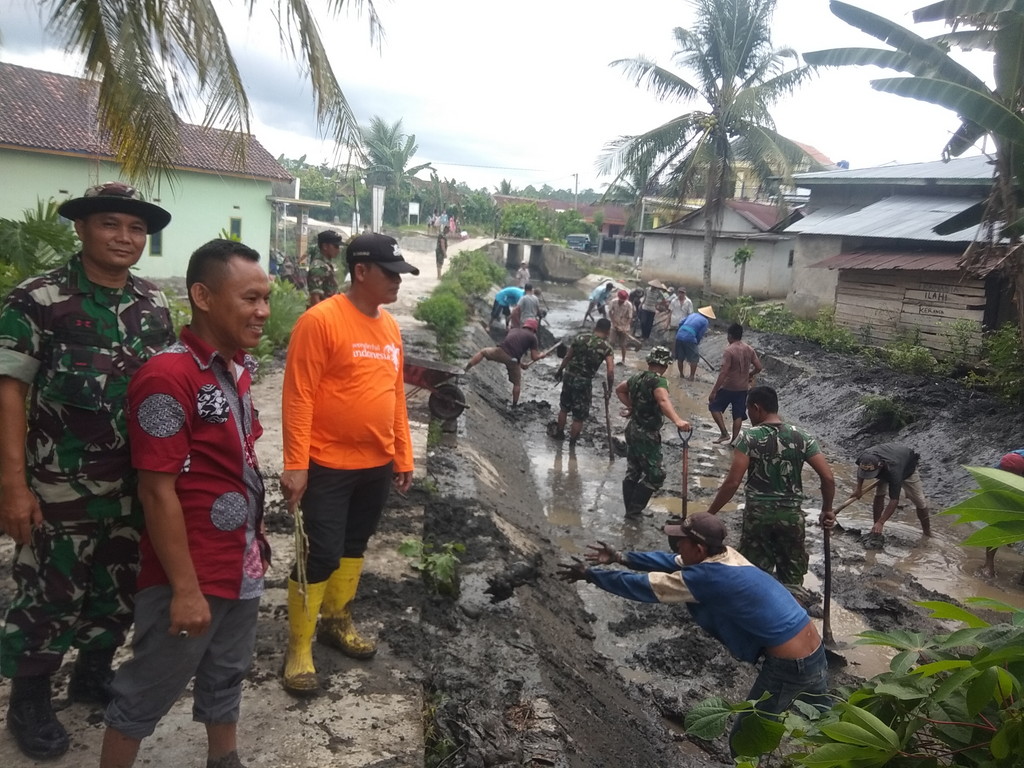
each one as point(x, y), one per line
point(340, 511)
point(646, 322)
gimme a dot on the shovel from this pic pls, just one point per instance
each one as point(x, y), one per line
point(826, 608)
point(608, 420)
point(685, 436)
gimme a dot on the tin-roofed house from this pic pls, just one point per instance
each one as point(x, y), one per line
point(51, 147)
point(867, 246)
point(674, 253)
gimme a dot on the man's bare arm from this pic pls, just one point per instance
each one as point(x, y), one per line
point(165, 525)
point(19, 507)
point(731, 483)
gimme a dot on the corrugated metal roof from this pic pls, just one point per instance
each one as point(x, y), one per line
point(906, 217)
point(930, 262)
point(960, 170)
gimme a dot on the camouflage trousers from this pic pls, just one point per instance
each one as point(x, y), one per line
point(577, 393)
point(643, 457)
point(772, 538)
point(75, 589)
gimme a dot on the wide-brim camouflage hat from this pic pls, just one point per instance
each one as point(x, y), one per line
point(659, 356)
point(115, 197)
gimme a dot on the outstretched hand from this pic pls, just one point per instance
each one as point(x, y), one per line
point(574, 571)
point(601, 554)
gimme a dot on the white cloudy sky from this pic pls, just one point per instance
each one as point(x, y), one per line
point(523, 90)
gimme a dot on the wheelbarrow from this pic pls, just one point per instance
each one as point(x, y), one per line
point(446, 400)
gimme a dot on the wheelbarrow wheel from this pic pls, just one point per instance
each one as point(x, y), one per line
point(446, 402)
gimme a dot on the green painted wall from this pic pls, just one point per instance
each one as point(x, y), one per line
point(201, 204)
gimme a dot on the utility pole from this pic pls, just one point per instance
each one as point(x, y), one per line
point(576, 193)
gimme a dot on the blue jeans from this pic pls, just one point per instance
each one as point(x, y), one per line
point(787, 680)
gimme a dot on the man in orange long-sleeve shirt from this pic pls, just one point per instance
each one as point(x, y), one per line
point(346, 442)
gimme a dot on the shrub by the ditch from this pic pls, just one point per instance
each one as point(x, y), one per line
point(445, 314)
point(883, 414)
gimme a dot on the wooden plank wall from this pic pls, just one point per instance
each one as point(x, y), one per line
point(885, 304)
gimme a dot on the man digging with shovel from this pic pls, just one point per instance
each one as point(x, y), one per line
point(771, 454)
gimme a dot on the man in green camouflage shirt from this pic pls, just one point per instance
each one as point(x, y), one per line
point(69, 341)
point(584, 358)
point(321, 277)
point(772, 454)
point(645, 395)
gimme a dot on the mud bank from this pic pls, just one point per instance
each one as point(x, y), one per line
point(565, 675)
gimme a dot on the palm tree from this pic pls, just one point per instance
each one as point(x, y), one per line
point(155, 60)
point(630, 189)
point(933, 76)
point(388, 152)
point(738, 76)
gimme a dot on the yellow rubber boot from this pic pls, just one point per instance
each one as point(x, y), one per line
point(299, 672)
point(336, 627)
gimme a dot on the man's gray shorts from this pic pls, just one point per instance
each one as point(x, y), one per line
point(146, 686)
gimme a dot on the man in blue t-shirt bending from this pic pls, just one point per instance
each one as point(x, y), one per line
point(749, 612)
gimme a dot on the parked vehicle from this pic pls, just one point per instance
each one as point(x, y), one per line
point(580, 242)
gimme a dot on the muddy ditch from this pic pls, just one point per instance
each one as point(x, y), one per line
point(564, 675)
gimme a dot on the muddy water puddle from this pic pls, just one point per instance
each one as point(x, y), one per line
point(581, 495)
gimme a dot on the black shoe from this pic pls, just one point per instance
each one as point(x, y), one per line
point(91, 678)
point(30, 718)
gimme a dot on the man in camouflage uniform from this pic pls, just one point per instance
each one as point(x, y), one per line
point(772, 454)
point(645, 395)
point(69, 341)
point(321, 278)
point(584, 358)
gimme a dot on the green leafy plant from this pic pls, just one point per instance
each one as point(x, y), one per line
point(438, 565)
point(286, 304)
point(964, 340)
point(883, 414)
point(445, 314)
point(38, 242)
point(469, 274)
point(910, 357)
point(472, 273)
point(439, 747)
point(1002, 365)
point(742, 255)
point(181, 313)
point(951, 699)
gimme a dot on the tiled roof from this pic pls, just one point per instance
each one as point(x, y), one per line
point(46, 112)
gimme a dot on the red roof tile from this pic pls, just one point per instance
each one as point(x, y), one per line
point(46, 112)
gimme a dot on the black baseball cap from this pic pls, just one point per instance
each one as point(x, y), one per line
point(868, 466)
point(115, 197)
point(329, 237)
point(702, 527)
point(378, 249)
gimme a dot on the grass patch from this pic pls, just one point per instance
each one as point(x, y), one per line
point(883, 414)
